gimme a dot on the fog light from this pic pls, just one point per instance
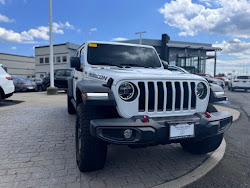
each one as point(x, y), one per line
point(127, 133)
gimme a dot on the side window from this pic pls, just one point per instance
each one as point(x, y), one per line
point(68, 73)
point(82, 56)
point(60, 73)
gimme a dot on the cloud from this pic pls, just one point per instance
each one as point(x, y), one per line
point(68, 25)
point(119, 39)
point(235, 55)
point(234, 47)
point(93, 29)
point(5, 19)
point(29, 36)
point(229, 17)
point(2, 2)
point(13, 47)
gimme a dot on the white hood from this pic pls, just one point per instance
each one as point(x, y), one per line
point(118, 74)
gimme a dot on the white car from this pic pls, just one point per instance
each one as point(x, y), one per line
point(239, 82)
point(6, 84)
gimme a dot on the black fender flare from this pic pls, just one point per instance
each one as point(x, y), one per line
point(70, 86)
point(92, 86)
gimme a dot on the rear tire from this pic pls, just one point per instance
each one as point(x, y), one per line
point(91, 154)
point(206, 145)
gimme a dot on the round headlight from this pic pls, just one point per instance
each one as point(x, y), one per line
point(201, 90)
point(126, 91)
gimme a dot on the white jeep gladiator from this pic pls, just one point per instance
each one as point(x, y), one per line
point(124, 94)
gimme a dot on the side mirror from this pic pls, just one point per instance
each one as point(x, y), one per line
point(165, 64)
point(75, 62)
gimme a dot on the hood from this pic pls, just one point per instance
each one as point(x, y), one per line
point(118, 74)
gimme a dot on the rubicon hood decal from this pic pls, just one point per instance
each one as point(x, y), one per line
point(98, 76)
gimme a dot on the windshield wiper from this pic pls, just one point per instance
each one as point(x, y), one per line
point(105, 63)
point(136, 65)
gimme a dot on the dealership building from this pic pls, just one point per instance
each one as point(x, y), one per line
point(62, 53)
point(188, 55)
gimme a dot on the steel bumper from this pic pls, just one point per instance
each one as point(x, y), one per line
point(157, 130)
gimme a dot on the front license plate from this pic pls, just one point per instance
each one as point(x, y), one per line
point(30, 87)
point(181, 130)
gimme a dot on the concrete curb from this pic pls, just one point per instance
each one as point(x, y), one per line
point(208, 165)
point(199, 172)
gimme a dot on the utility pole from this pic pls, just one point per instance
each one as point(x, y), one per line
point(140, 35)
point(52, 90)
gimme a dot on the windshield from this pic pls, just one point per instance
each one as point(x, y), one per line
point(243, 77)
point(121, 55)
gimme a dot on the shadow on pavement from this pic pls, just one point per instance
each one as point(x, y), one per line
point(9, 102)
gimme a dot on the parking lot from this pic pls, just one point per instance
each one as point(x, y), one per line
point(37, 149)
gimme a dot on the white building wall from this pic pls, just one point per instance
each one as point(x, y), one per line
point(61, 51)
point(22, 66)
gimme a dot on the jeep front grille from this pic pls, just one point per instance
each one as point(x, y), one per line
point(166, 96)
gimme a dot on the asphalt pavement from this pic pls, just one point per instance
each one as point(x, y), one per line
point(234, 168)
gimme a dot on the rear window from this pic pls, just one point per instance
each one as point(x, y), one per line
point(243, 77)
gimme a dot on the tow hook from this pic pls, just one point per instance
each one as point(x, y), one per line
point(208, 115)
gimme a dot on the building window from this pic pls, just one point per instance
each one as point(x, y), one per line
point(46, 59)
point(64, 58)
point(54, 59)
point(58, 59)
point(41, 60)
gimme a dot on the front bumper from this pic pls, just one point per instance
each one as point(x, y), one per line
point(157, 130)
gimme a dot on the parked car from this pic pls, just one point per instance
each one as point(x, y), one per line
point(60, 79)
point(239, 82)
point(212, 80)
point(38, 82)
point(6, 84)
point(23, 84)
point(217, 93)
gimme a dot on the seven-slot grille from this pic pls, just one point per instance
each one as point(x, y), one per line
point(162, 96)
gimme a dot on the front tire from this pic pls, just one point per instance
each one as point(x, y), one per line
point(91, 154)
point(206, 145)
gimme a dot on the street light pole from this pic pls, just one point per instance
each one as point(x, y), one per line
point(140, 35)
point(51, 46)
point(52, 90)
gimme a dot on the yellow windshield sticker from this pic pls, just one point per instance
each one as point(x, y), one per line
point(92, 45)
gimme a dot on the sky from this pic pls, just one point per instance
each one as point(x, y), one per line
point(225, 24)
